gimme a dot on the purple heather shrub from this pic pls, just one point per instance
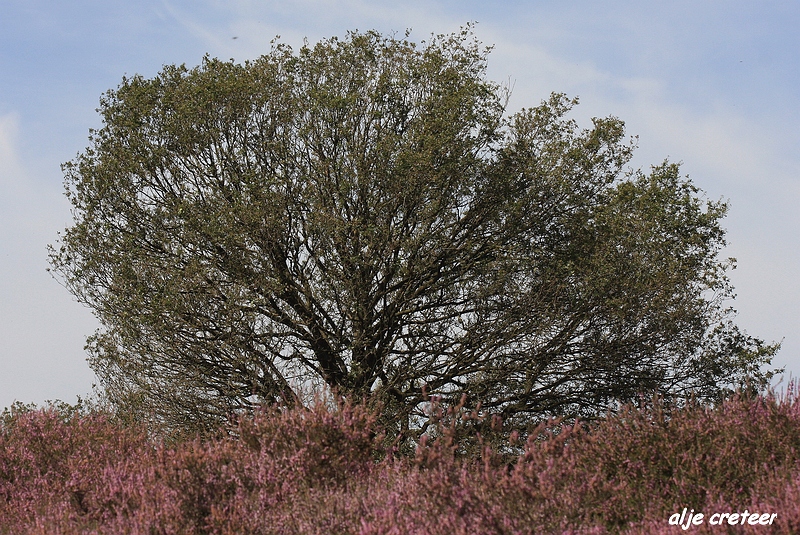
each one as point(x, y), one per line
point(44, 456)
point(329, 470)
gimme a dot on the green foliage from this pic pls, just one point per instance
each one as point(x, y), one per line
point(364, 216)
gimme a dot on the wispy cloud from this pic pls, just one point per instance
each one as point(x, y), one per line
point(255, 24)
point(9, 163)
point(42, 330)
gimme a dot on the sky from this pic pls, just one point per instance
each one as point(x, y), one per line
point(712, 84)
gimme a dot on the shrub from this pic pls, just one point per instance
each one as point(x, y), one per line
point(324, 470)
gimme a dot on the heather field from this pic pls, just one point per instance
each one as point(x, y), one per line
point(327, 471)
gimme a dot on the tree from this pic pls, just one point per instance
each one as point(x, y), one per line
point(365, 216)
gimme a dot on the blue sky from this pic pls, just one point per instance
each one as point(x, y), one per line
point(715, 85)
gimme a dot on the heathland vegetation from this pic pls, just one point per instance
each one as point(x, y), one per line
point(334, 470)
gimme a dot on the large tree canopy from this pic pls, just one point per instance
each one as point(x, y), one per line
point(364, 215)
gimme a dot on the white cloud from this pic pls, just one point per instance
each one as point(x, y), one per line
point(42, 330)
point(740, 157)
point(255, 24)
point(9, 164)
